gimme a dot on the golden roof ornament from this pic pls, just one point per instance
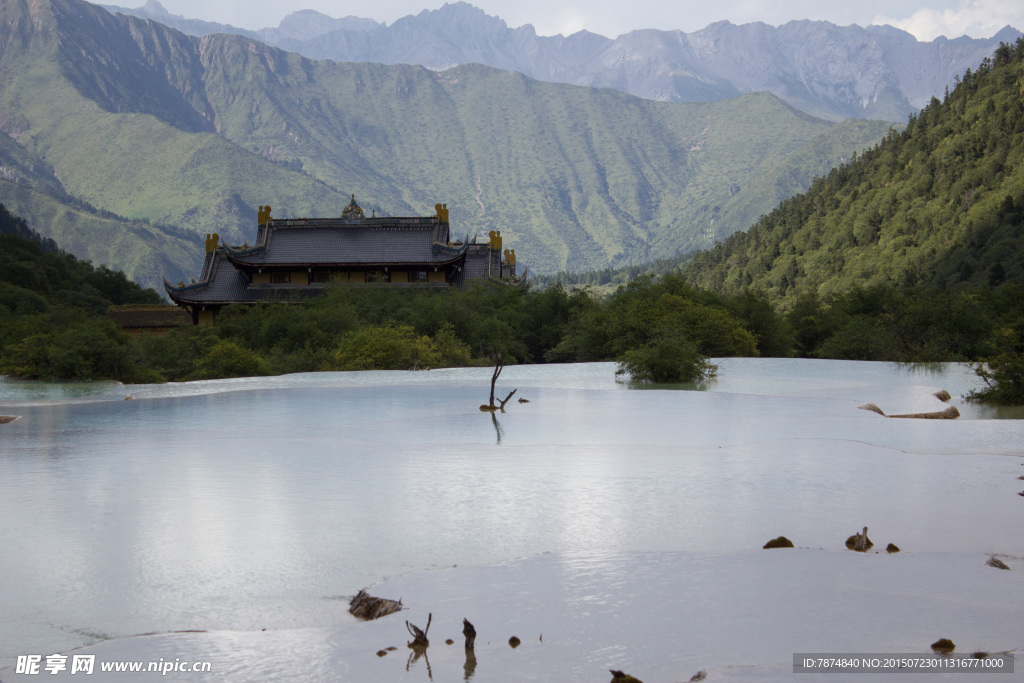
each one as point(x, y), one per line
point(352, 211)
point(263, 216)
point(442, 212)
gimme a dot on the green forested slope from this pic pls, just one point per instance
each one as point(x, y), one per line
point(52, 307)
point(146, 123)
point(145, 252)
point(940, 204)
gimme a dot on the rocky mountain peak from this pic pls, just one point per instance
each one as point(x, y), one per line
point(830, 71)
point(154, 9)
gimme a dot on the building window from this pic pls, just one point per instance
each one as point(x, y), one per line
point(280, 278)
point(420, 276)
point(322, 276)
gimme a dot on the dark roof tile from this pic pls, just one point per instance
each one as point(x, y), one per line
point(322, 242)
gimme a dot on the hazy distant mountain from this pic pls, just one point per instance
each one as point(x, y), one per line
point(298, 26)
point(830, 71)
point(144, 122)
point(193, 27)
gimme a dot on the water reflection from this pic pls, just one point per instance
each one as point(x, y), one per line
point(928, 368)
point(497, 427)
point(418, 651)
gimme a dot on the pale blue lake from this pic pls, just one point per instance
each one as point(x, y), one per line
point(267, 503)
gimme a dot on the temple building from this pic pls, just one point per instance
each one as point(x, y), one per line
point(293, 259)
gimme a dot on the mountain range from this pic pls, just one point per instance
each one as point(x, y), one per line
point(829, 71)
point(126, 140)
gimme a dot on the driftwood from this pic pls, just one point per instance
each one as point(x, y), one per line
point(419, 638)
point(994, 561)
point(950, 413)
point(469, 668)
point(419, 645)
point(368, 607)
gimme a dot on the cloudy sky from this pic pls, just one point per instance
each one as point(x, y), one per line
point(926, 19)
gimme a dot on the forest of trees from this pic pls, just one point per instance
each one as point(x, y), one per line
point(938, 205)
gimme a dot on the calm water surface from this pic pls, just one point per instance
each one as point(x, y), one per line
point(266, 503)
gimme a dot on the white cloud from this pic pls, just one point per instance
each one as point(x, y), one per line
point(975, 18)
point(567, 22)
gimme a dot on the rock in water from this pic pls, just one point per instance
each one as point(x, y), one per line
point(780, 542)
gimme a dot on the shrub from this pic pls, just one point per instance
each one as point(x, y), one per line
point(451, 351)
point(1004, 380)
point(668, 359)
point(78, 350)
point(384, 348)
point(228, 359)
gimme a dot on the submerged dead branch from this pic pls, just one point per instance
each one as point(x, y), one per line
point(859, 542)
point(419, 637)
point(490, 407)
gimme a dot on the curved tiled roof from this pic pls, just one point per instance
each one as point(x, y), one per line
point(225, 285)
point(335, 242)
